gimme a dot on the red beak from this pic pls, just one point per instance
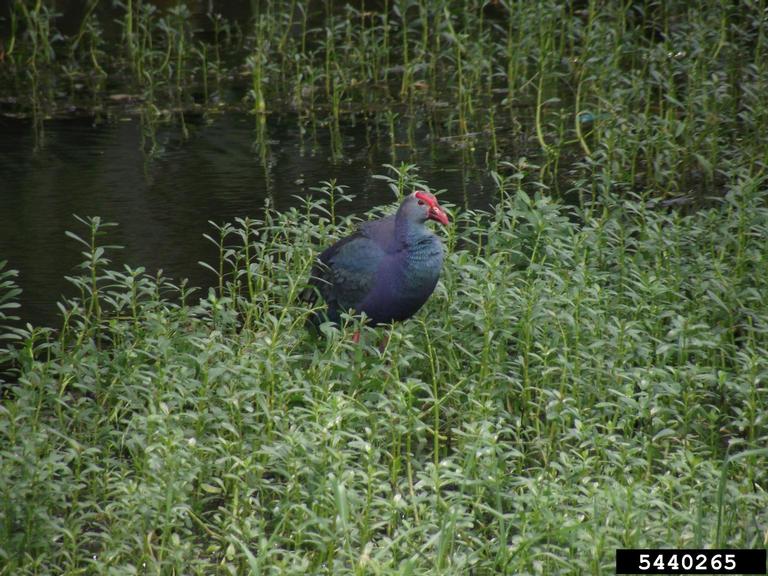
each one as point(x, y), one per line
point(436, 213)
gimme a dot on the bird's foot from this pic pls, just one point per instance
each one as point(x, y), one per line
point(384, 343)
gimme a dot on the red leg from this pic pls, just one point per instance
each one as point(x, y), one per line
point(356, 337)
point(384, 343)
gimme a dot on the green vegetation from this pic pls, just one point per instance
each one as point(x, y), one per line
point(575, 385)
point(660, 94)
point(590, 373)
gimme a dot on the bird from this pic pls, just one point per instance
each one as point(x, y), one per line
point(387, 269)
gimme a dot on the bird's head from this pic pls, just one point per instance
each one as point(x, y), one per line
point(421, 206)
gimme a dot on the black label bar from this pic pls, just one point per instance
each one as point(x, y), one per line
point(669, 561)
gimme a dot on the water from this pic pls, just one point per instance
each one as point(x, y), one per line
point(163, 202)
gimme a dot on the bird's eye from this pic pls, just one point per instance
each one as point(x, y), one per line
point(421, 202)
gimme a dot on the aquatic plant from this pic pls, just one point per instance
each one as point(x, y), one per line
point(672, 83)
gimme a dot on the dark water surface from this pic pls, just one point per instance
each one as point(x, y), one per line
point(163, 203)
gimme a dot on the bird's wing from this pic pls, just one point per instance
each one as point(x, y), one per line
point(352, 265)
point(345, 273)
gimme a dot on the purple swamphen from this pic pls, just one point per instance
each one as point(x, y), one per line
point(387, 269)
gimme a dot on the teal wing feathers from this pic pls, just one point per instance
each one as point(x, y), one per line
point(345, 273)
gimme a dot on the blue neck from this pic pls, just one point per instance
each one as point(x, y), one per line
point(409, 232)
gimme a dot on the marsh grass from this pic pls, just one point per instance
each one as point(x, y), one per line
point(664, 94)
point(583, 379)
